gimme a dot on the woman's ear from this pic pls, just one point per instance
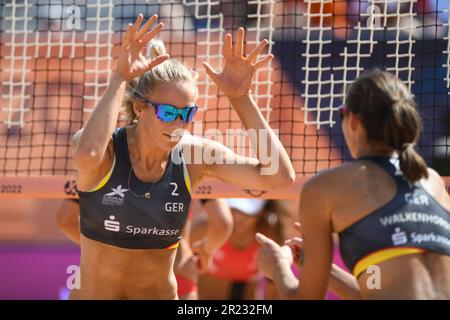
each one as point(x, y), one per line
point(137, 110)
point(355, 122)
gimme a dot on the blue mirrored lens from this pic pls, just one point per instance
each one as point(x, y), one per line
point(192, 113)
point(168, 113)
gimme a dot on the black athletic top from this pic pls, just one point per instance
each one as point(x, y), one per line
point(413, 221)
point(118, 213)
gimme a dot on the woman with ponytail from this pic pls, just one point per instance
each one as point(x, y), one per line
point(134, 183)
point(391, 212)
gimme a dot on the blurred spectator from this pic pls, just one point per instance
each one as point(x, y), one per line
point(233, 273)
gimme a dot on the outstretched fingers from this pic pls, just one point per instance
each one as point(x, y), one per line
point(141, 33)
point(136, 27)
point(126, 39)
point(227, 49)
point(150, 35)
point(158, 60)
point(257, 51)
point(239, 47)
point(264, 61)
point(210, 71)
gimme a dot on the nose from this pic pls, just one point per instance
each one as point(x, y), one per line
point(177, 126)
point(178, 122)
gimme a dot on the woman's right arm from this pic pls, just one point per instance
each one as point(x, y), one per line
point(90, 144)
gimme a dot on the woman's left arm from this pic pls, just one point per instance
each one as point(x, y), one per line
point(272, 168)
point(316, 258)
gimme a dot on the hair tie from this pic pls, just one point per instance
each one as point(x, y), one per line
point(399, 101)
point(406, 146)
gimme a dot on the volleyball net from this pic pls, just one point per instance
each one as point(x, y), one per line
point(56, 58)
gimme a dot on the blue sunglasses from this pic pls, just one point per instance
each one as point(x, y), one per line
point(169, 113)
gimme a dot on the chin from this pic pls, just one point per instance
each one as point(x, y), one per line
point(169, 142)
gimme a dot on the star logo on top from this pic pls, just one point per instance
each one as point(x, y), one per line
point(116, 197)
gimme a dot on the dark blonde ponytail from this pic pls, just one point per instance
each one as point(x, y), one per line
point(411, 163)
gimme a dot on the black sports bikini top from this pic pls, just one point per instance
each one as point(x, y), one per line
point(118, 213)
point(413, 221)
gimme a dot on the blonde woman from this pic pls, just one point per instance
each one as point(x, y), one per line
point(134, 184)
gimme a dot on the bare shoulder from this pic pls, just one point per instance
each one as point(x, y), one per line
point(332, 179)
point(435, 177)
point(76, 139)
point(333, 187)
point(89, 176)
point(435, 185)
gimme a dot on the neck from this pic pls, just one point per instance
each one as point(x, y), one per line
point(145, 151)
point(371, 151)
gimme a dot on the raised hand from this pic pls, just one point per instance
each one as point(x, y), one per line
point(236, 77)
point(132, 62)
